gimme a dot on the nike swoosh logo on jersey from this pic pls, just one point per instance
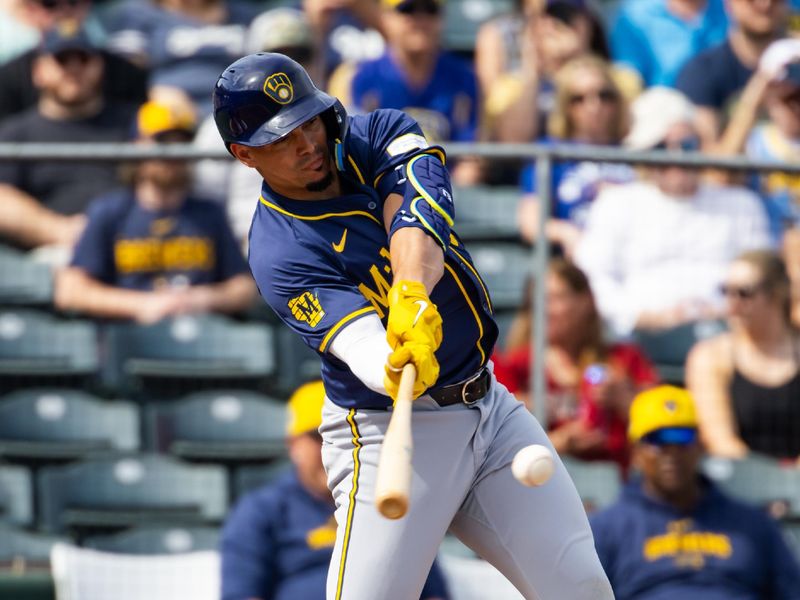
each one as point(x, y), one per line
point(340, 246)
point(422, 306)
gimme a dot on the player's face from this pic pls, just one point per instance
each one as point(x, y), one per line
point(305, 452)
point(299, 166)
point(71, 78)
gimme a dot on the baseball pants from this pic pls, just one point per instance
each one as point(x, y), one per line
point(539, 538)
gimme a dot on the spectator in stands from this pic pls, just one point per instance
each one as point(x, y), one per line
point(520, 93)
point(775, 88)
point(277, 541)
point(185, 44)
point(151, 251)
point(43, 201)
point(590, 382)
point(589, 110)
point(747, 381)
point(122, 81)
point(22, 23)
point(655, 39)
point(673, 533)
point(713, 79)
point(437, 88)
point(656, 250)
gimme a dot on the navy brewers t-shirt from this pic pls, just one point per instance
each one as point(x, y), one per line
point(127, 246)
point(714, 78)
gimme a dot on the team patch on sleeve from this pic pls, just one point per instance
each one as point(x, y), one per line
point(406, 143)
point(307, 309)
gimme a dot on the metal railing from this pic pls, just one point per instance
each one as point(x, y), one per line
point(544, 156)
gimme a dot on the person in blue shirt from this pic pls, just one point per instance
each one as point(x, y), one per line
point(150, 250)
point(673, 534)
point(278, 539)
point(655, 38)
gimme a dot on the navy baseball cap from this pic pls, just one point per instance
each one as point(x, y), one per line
point(67, 35)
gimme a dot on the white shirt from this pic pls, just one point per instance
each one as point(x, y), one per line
point(646, 251)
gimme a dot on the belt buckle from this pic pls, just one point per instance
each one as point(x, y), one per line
point(472, 379)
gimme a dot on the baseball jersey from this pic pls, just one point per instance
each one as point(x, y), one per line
point(446, 107)
point(323, 264)
point(722, 550)
point(129, 246)
point(277, 544)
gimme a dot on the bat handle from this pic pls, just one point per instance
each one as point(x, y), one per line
point(393, 482)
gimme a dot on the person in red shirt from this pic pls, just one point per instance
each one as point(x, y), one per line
point(590, 382)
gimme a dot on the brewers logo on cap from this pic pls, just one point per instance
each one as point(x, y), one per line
point(279, 88)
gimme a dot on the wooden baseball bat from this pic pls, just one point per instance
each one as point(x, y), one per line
point(393, 481)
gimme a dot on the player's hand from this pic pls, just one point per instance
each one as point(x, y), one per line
point(423, 358)
point(412, 316)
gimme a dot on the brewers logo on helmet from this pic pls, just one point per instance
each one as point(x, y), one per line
point(262, 97)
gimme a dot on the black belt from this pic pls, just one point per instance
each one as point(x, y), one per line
point(469, 391)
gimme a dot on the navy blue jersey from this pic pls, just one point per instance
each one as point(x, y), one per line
point(277, 544)
point(323, 264)
point(722, 550)
point(128, 246)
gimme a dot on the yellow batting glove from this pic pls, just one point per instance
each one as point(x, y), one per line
point(423, 358)
point(412, 316)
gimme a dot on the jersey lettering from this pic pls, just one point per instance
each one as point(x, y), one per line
point(307, 309)
point(184, 253)
point(379, 296)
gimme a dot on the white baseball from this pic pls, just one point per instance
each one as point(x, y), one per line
point(533, 465)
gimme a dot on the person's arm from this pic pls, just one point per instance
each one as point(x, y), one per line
point(708, 380)
point(733, 139)
point(230, 296)
point(27, 222)
point(77, 291)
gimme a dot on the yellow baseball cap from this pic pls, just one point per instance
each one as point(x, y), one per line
point(157, 118)
point(662, 407)
point(305, 409)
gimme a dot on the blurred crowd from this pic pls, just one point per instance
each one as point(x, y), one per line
point(638, 251)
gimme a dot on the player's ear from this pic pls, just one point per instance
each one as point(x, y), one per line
point(243, 154)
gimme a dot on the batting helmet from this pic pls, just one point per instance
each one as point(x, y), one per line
point(262, 97)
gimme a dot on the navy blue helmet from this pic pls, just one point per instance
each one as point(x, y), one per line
point(262, 97)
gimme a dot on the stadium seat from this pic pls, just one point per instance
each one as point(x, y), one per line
point(157, 540)
point(463, 18)
point(486, 212)
point(188, 353)
point(16, 495)
point(39, 349)
point(759, 480)
point(84, 574)
point(505, 268)
point(668, 349)
point(475, 579)
point(249, 478)
point(598, 482)
point(297, 363)
point(228, 426)
point(125, 490)
point(20, 545)
point(23, 282)
point(60, 424)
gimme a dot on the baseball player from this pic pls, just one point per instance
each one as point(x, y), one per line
point(352, 246)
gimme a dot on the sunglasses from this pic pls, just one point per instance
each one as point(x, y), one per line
point(690, 143)
point(605, 96)
point(429, 8)
point(740, 292)
point(671, 436)
point(53, 4)
point(65, 57)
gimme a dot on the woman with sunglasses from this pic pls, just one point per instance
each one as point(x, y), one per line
point(589, 109)
point(746, 382)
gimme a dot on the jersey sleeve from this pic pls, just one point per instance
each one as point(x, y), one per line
point(94, 251)
point(310, 295)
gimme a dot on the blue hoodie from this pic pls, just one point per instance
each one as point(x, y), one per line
point(721, 550)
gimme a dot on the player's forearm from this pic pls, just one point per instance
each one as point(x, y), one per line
point(416, 256)
point(24, 220)
point(77, 291)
